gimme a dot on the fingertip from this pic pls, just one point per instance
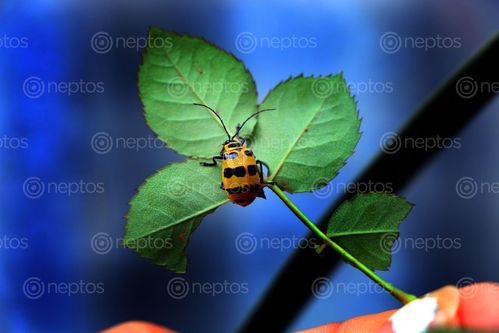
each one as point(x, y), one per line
point(368, 323)
point(137, 327)
point(365, 324)
point(479, 306)
point(328, 328)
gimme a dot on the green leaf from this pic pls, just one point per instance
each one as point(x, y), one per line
point(168, 208)
point(178, 71)
point(367, 226)
point(309, 137)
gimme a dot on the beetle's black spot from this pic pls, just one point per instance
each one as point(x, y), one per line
point(240, 201)
point(252, 169)
point(248, 152)
point(230, 156)
point(234, 190)
point(234, 145)
point(254, 188)
point(228, 173)
point(240, 171)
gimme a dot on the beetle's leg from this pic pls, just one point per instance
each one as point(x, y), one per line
point(260, 170)
point(214, 158)
point(222, 186)
point(260, 165)
point(242, 141)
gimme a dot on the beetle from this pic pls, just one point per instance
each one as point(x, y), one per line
point(242, 173)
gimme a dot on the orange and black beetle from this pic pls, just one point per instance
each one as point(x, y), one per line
point(242, 177)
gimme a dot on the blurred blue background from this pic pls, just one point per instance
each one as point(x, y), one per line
point(46, 239)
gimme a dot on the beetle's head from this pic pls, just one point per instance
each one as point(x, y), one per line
point(231, 144)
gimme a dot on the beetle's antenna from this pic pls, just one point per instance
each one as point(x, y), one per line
point(254, 114)
point(218, 116)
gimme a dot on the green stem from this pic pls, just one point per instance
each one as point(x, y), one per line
point(397, 293)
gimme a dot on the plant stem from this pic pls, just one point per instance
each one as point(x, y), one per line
point(397, 293)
